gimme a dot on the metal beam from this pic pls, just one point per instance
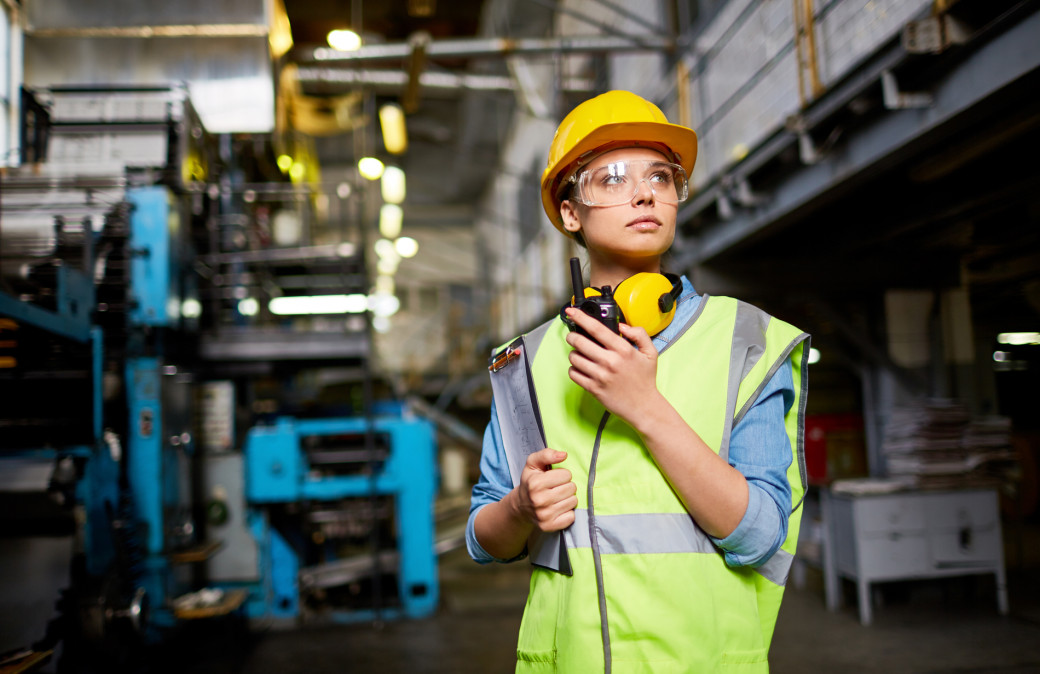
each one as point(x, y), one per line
point(1009, 57)
point(281, 345)
point(74, 328)
point(397, 79)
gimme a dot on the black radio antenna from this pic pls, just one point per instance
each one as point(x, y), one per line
point(576, 282)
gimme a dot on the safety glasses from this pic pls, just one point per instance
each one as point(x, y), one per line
point(618, 183)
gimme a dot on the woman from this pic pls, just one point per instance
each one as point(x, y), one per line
point(672, 459)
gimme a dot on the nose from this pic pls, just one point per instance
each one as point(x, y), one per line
point(644, 195)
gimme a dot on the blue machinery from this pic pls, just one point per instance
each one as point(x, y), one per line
point(310, 518)
point(279, 472)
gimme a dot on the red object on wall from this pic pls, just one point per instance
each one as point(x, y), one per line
point(834, 447)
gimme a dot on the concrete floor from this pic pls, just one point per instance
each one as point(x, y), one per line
point(919, 627)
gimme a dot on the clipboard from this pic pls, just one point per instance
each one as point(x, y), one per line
point(523, 435)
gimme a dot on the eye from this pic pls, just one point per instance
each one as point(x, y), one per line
point(610, 176)
point(662, 176)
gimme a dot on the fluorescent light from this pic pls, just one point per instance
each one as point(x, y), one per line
point(248, 307)
point(385, 249)
point(406, 246)
point(344, 40)
point(395, 135)
point(370, 168)
point(318, 304)
point(390, 218)
point(191, 308)
point(383, 304)
point(1019, 338)
point(384, 284)
point(393, 185)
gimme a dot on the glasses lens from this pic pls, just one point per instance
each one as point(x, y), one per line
point(618, 182)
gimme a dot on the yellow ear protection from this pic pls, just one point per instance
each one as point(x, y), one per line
point(645, 300)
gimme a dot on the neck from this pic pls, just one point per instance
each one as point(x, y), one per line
point(607, 272)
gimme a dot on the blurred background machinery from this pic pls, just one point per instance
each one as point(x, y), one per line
point(149, 461)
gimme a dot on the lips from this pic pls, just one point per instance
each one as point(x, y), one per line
point(646, 223)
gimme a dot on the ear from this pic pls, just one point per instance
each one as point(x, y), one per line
point(569, 215)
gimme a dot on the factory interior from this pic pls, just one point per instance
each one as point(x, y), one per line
point(255, 256)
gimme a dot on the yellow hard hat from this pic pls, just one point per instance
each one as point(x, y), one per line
point(614, 119)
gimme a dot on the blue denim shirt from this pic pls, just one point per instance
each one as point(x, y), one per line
point(759, 449)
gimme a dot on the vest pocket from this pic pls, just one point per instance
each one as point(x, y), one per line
point(536, 658)
point(536, 644)
point(754, 660)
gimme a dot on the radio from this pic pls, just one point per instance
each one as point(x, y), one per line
point(645, 300)
point(599, 303)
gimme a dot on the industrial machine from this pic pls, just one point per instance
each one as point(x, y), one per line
point(144, 484)
point(349, 499)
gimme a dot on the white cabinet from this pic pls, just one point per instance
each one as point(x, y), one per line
point(908, 535)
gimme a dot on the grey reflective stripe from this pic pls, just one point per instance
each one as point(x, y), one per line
point(804, 373)
point(800, 442)
point(638, 533)
point(689, 323)
point(533, 339)
point(748, 345)
point(777, 567)
point(653, 533)
point(597, 562)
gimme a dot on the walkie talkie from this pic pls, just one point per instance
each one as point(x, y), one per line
point(603, 307)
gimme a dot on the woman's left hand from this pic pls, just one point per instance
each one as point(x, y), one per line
point(622, 378)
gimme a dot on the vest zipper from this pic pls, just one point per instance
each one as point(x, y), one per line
point(594, 541)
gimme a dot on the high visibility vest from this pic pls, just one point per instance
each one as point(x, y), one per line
point(649, 591)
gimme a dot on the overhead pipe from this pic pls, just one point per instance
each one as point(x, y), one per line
point(497, 47)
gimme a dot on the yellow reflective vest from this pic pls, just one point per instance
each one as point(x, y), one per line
point(649, 592)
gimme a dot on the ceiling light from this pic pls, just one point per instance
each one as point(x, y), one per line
point(248, 307)
point(383, 304)
point(385, 248)
point(191, 308)
point(286, 228)
point(406, 246)
point(1018, 338)
point(342, 39)
point(395, 134)
point(392, 185)
point(318, 304)
point(390, 219)
point(370, 168)
point(385, 284)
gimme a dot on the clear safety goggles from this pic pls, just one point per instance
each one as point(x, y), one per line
point(618, 182)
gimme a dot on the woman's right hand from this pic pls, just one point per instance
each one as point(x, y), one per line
point(546, 496)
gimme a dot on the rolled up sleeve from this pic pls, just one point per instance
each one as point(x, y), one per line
point(761, 450)
point(492, 486)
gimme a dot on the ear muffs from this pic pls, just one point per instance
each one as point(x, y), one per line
point(648, 300)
